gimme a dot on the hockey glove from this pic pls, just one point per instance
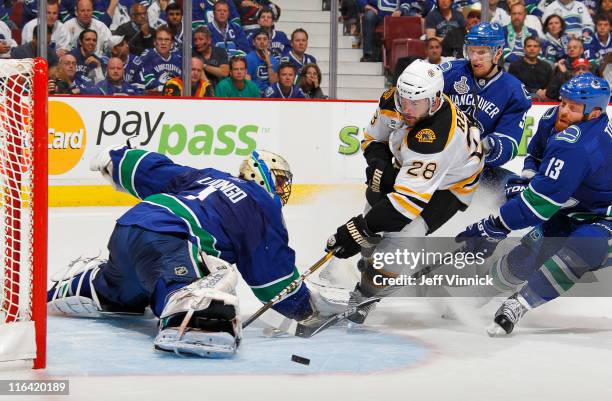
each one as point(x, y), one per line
point(350, 237)
point(381, 178)
point(515, 185)
point(483, 236)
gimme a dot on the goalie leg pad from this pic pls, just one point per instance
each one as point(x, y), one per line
point(203, 318)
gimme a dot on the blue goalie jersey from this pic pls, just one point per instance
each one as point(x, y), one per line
point(221, 215)
point(502, 105)
point(573, 174)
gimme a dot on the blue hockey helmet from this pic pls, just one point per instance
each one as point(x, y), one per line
point(589, 90)
point(485, 34)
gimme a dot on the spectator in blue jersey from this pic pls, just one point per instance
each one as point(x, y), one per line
point(174, 19)
point(602, 41)
point(30, 49)
point(117, 46)
point(88, 63)
point(161, 63)
point(297, 55)
point(515, 33)
point(279, 44)
point(114, 84)
point(555, 41)
point(310, 82)
point(442, 19)
point(203, 12)
point(375, 12)
point(226, 34)
point(261, 64)
point(216, 64)
point(70, 82)
point(419, 8)
point(285, 88)
point(137, 31)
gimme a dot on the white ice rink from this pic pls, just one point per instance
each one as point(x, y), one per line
point(406, 351)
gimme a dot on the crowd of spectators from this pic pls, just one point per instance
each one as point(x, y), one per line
point(547, 41)
point(131, 47)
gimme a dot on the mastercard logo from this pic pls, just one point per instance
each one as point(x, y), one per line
point(67, 138)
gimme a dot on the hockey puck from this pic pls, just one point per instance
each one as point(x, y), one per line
point(300, 359)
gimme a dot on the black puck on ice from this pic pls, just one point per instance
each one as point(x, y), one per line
point(299, 359)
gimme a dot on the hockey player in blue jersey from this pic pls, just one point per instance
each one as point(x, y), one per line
point(494, 98)
point(174, 250)
point(567, 196)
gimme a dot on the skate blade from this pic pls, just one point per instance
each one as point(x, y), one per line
point(199, 343)
point(495, 330)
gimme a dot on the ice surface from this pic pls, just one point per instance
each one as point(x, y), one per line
point(561, 351)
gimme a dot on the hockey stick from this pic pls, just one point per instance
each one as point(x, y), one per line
point(292, 286)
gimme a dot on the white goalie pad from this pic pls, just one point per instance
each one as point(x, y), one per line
point(72, 303)
point(203, 318)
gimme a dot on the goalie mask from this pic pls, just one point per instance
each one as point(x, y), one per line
point(417, 89)
point(270, 171)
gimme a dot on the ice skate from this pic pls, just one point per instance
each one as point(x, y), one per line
point(507, 316)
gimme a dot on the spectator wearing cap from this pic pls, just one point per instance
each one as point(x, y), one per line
point(452, 45)
point(285, 88)
point(114, 84)
point(117, 46)
point(60, 39)
point(88, 63)
point(297, 55)
point(579, 66)
point(515, 33)
point(279, 43)
point(602, 42)
point(161, 63)
point(261, 64)
point(216, 65)
point(310, 82)
point(534, 73)
point(442, 19)
point(30, 49)
point(200, 85)
point(84, 20)
point(226, 34)
point(137, 31)
point(236, 85)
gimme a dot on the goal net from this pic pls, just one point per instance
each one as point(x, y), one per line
point(23, 209)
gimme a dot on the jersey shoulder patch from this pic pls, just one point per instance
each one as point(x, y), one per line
point(571, 134)
point(431, 135)
point(387, 100)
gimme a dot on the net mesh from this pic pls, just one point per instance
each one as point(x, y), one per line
point(16, 186)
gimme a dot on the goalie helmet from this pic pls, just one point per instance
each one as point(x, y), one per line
point(270, 171)
point(420, 80)
point(589, 90)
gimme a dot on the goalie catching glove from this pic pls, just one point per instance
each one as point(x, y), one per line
point(351, 237)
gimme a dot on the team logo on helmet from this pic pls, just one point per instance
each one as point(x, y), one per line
point(461, 86)
point(426, 135)
point(595, 84)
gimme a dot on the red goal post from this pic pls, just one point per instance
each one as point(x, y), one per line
point(23, 209)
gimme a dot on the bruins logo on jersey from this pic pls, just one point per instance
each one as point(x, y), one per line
point(425, 135)
point(388, 93)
